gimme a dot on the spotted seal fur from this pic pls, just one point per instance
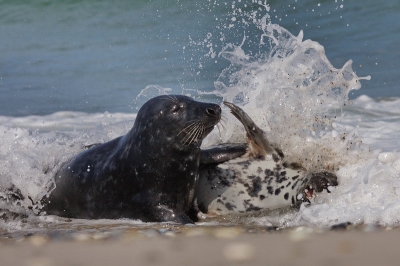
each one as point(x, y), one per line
point(261, 179)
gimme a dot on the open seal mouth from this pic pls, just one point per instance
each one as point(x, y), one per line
point(319, 182)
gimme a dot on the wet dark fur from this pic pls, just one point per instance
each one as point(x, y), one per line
point(148, 174)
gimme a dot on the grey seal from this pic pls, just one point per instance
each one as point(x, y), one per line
point(260, 179)
point(148, 174)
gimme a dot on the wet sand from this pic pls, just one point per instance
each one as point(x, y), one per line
point(174, 245)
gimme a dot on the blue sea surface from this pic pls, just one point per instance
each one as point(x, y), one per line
point(95, 56)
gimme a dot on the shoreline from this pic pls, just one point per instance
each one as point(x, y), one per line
point(198, 245)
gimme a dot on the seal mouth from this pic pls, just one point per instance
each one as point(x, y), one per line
point(207, 130)
point(210, 123)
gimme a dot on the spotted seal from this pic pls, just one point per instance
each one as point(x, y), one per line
point(261, 179)
point(148, 174)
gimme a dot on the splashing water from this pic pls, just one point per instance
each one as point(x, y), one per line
point(31, 158)
point(288, 89)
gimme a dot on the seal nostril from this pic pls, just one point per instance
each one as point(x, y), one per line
point(211, 112)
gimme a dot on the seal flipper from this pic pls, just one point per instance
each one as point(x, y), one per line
point(91, 145)
point(222, 153)
point(163, 213)
point(258, 142)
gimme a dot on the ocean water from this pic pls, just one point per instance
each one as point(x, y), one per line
point(320, 77)
point(95, 56)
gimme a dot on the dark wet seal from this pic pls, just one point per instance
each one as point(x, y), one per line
point(341, 226)
point(271, 228)
point(149, 173)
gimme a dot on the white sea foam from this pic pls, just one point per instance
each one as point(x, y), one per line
point(289, 91)
point(64, 121)
point(29, 158)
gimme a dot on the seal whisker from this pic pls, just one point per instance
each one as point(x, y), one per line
point(188, 130)
point(192, 136)
point(168, 97)
point(224, 118)
point(203, 130)
point(198, 133)
point(189, 127)
point(172, 98)
point(219, 129)
point(223, 121)
point(222, 125)
point(191, 121)
point(189, 137)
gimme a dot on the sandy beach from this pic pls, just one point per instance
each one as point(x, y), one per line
point(207, 246)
